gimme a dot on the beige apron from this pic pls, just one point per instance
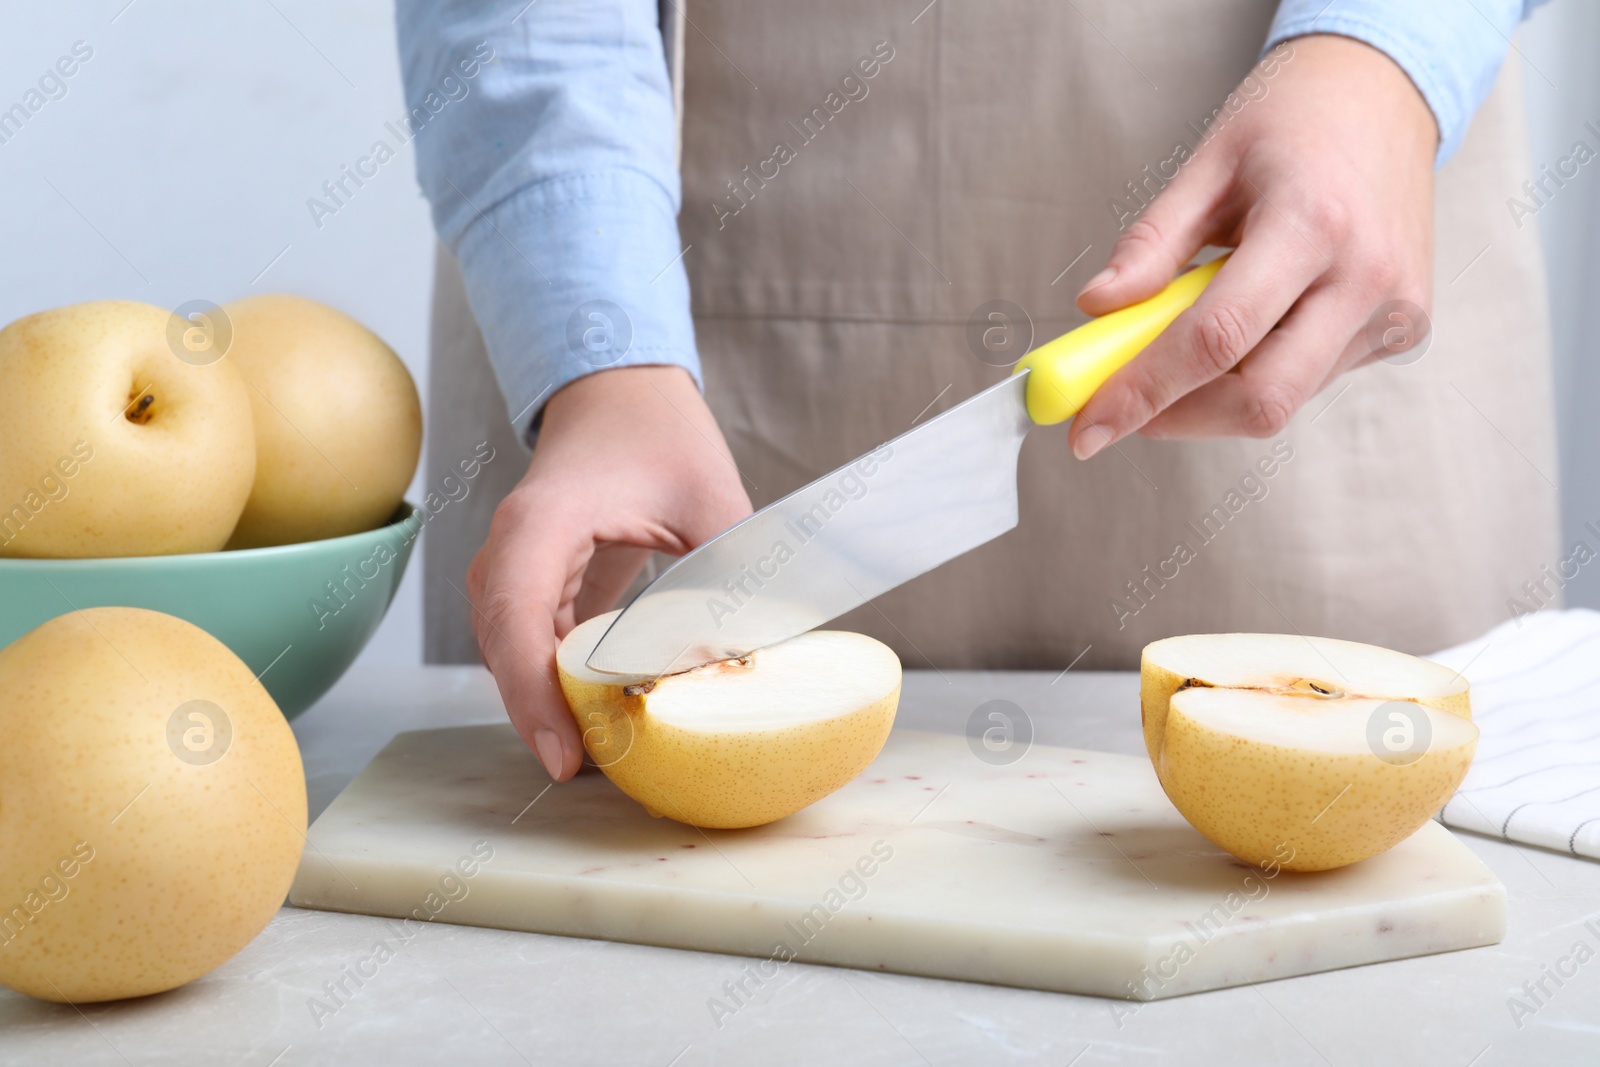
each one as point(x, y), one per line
point(833, 285)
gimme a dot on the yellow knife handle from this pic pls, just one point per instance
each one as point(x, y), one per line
point(1068, 370)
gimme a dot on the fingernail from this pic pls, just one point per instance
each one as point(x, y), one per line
point(1098, 280)
point(548, 746)
point(1091, 441)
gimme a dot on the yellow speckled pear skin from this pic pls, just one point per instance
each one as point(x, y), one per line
point(111, 445)
point(126, 868)
point(1264, 742)
point(338, 422)
point(738, 743)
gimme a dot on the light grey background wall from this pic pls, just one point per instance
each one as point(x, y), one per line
point(1558, 48)
point(178, 165)
point(179, 161)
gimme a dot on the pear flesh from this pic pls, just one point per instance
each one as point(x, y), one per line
point(1303, 753)
point(741, 742)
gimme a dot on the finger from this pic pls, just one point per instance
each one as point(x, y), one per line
point(1269, 271)
point(612, 569)
point(1152, 248)
point(690, 518)
point(1318, 339)
point(1395, 333)
point(525, 573)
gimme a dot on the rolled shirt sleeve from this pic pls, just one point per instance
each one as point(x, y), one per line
point(1451, 49)
point(544, 135)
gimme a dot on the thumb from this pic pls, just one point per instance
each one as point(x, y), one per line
point(517, 584)
point(1154, 246)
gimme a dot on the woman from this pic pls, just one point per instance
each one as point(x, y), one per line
point(883, 204)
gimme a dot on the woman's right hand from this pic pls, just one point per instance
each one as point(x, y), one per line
point(628, 461)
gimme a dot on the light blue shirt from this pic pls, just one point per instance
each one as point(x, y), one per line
point(1451, 49)
point(545, 142)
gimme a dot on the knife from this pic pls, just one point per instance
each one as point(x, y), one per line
point(898, 511)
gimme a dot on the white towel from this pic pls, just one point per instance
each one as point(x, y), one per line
point(1536, 698)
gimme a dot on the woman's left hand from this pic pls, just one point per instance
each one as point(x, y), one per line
point(1324, 185)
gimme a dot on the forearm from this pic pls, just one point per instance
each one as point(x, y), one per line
point(1450, 49)
point(551, 175)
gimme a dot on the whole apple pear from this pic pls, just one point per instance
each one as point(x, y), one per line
point(152, 806)
point(337, 417)
point(113, 445)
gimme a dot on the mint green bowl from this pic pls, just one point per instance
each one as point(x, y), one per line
point(298, 615)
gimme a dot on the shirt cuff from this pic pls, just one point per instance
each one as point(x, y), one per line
point(1451, 56)
point(574, 275)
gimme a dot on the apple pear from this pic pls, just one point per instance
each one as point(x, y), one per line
point(1304, 753)
point(738, 742)
point(337, 418)
point(152, 806)
point(112, 444)
point(338, 421)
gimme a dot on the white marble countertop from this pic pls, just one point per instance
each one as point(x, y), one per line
point(495, 997)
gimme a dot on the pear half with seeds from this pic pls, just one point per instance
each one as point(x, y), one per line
point(1304, 753)
point(739, 742)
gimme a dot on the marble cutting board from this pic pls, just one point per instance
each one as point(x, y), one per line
point(1067, 871)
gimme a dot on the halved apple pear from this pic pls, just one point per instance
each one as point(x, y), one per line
point(739, 742)
point(1302, 752)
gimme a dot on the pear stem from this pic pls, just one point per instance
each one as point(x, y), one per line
point(140, 411)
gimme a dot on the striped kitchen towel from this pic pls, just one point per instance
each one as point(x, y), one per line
point(1536, 698)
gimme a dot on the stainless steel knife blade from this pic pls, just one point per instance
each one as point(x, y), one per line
point(927, 496)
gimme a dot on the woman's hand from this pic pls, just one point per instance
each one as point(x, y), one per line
point(628, 461)
point(1324, 185)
